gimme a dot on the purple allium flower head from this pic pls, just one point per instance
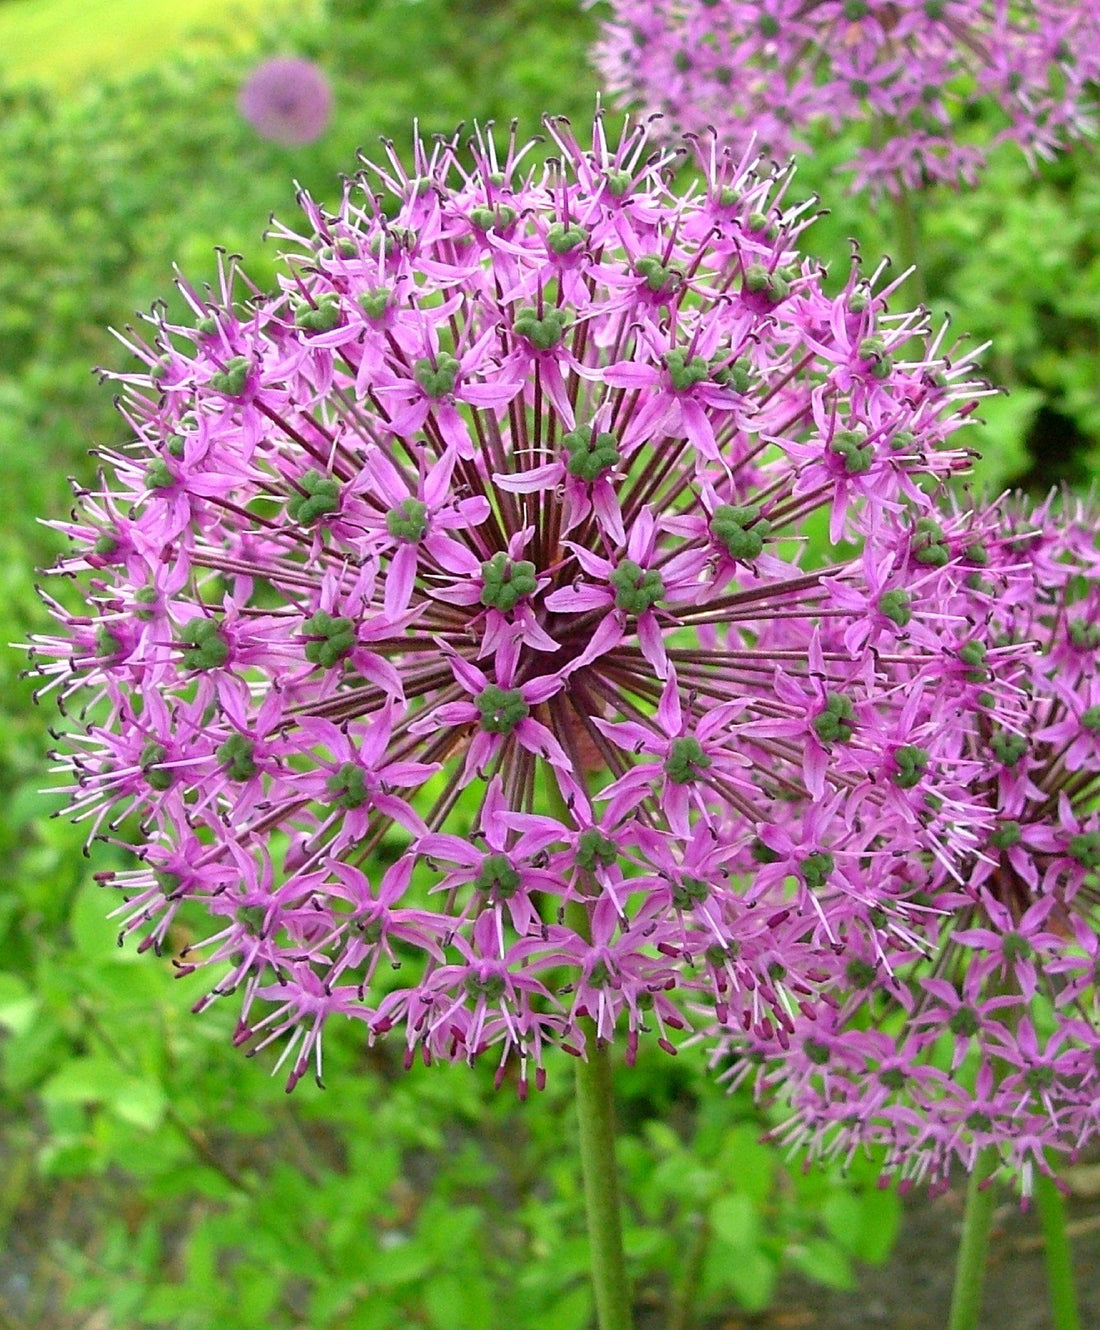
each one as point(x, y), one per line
point(977, 1025)
point(287, 100)
point(480, 550)
point(913, 70)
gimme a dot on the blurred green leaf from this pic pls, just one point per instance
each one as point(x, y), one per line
point(824, 1262)
point(735, 1220)
point(17, 1004)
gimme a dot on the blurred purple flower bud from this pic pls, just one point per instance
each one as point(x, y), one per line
point(287, 100)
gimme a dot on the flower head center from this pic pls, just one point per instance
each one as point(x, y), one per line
point(320, 494)
point(501, 709)
point(637, 589)
point(437, 379)
point(408, 521)
point(686, 760)
point(591, 453)
point(543, 333)
point(506, 583)
point(497, 877)
point(348, 786)
point(739, 529)
point(332, 638)
point(593, 848)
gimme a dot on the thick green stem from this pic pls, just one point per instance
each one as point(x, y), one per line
point(596, 1123)
point(596, 1116)
point(1052, 1218)
point(907, 243)
point(966, 1298)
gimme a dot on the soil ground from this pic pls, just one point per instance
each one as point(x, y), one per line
point(912, 1291)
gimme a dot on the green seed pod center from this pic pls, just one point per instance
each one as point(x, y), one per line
point(506, 583)
point(497, 218)
point(492, 988)
point(1007, 747)
point(204, 647)
point(107, 645)
point(158, 476)
point(740, 530)
point(497, 877)
point(895, 606)
point(1016, 947)
point(618, 182)
point(408, 521)
point(836, 724)
point(590, 453)
point(348, 786)
point(686, 760)
point(234, 378)
point(1085, 848)
point(235, 755)
point(439, 379)
point(689, 892)
point(683, 372)
point(759, 280)
point(816, 868)
point(851, 446)
point(321, 495)
point(928, 545)
point(501, 709)
point(636, 589)
point(594, 847)
point(874, 350)
point(965, 1021)
point(659, 277)
point(545, 333)
point(564, 239)
point(911, 764)
point(320, 317)
point(157, 776)
point(332, 639)
point(375, 303)
point(1005, 835)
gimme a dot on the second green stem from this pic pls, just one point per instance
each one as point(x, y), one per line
point(596, 1119)
point(981, 1199)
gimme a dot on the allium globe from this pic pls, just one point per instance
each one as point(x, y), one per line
point(977, 1028)
point(913, 71)
point(454, 640)
point(287, 100)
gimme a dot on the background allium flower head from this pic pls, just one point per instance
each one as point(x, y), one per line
point(978, 1025)
point(288, 100)
point(914, 70)
point(479, 549)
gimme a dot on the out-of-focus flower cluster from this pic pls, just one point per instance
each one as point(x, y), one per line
point(453, 640)
point(913, 71)
point(976, 1026)
point(288, 100)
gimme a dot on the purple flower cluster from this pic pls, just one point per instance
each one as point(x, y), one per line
point(287, 100)
point(976, 1025)
point(911, 70)
point(457, 639)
